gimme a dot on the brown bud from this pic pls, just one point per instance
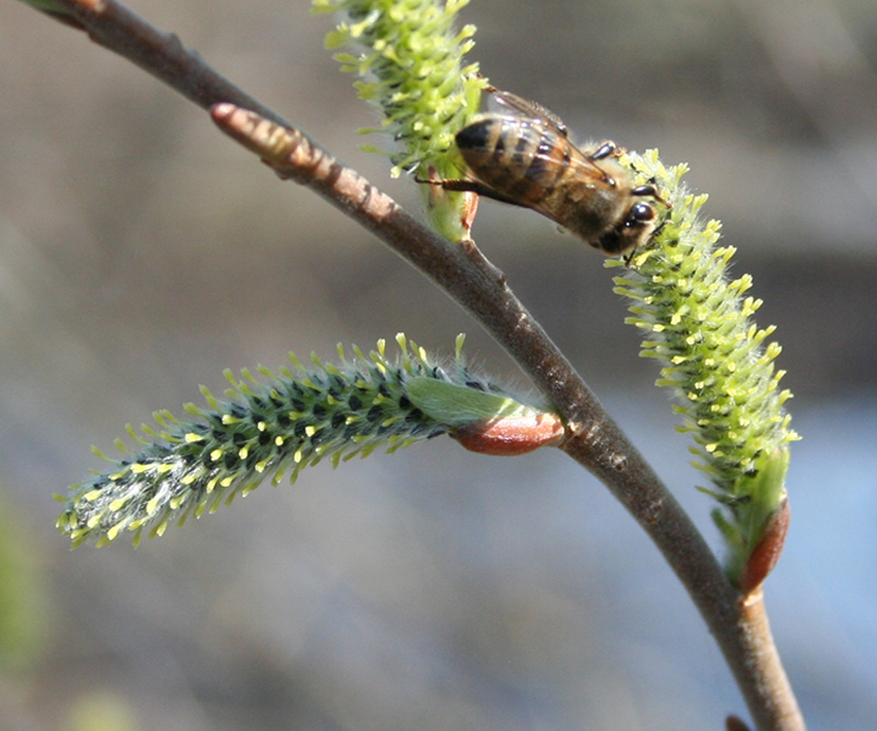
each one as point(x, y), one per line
point(766, 554)
point(733, 723)
point(511, 436)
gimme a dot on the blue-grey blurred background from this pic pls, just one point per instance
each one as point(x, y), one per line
point(141, 253)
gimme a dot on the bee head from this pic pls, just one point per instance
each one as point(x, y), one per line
point(634, 231)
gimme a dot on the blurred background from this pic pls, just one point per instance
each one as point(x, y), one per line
point(141, 252)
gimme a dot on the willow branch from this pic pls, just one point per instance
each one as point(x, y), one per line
point(593, 438)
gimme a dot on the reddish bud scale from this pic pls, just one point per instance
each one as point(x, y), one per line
point(732, 723)
point(470, 208)
point(509, 437)
point(766, 554)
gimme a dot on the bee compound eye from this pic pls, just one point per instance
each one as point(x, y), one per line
point(641, 213)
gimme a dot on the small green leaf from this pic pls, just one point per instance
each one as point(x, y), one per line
point(460, 405)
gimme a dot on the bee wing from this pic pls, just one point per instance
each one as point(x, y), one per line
point(548, 163)
point(526, 108)
point(563, 191)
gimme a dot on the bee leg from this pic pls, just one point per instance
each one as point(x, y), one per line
point(650, 190)
point(607, 149)
point(470, 205)
point(461, 185)
point(472, 186)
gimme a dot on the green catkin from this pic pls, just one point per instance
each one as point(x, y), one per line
point(268, 428)
point(696, 321)
point(409, 59)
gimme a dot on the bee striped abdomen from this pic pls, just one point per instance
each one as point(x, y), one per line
point(516, 159)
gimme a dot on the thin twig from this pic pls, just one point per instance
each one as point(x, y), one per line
point(593, 439)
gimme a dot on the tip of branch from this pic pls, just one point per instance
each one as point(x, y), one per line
point(222, 112)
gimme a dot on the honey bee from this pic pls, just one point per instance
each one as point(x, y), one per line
point(524, 157)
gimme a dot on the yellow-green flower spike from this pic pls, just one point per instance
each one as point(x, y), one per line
point(268, 429)
point(696, 322)
point(409, 57)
